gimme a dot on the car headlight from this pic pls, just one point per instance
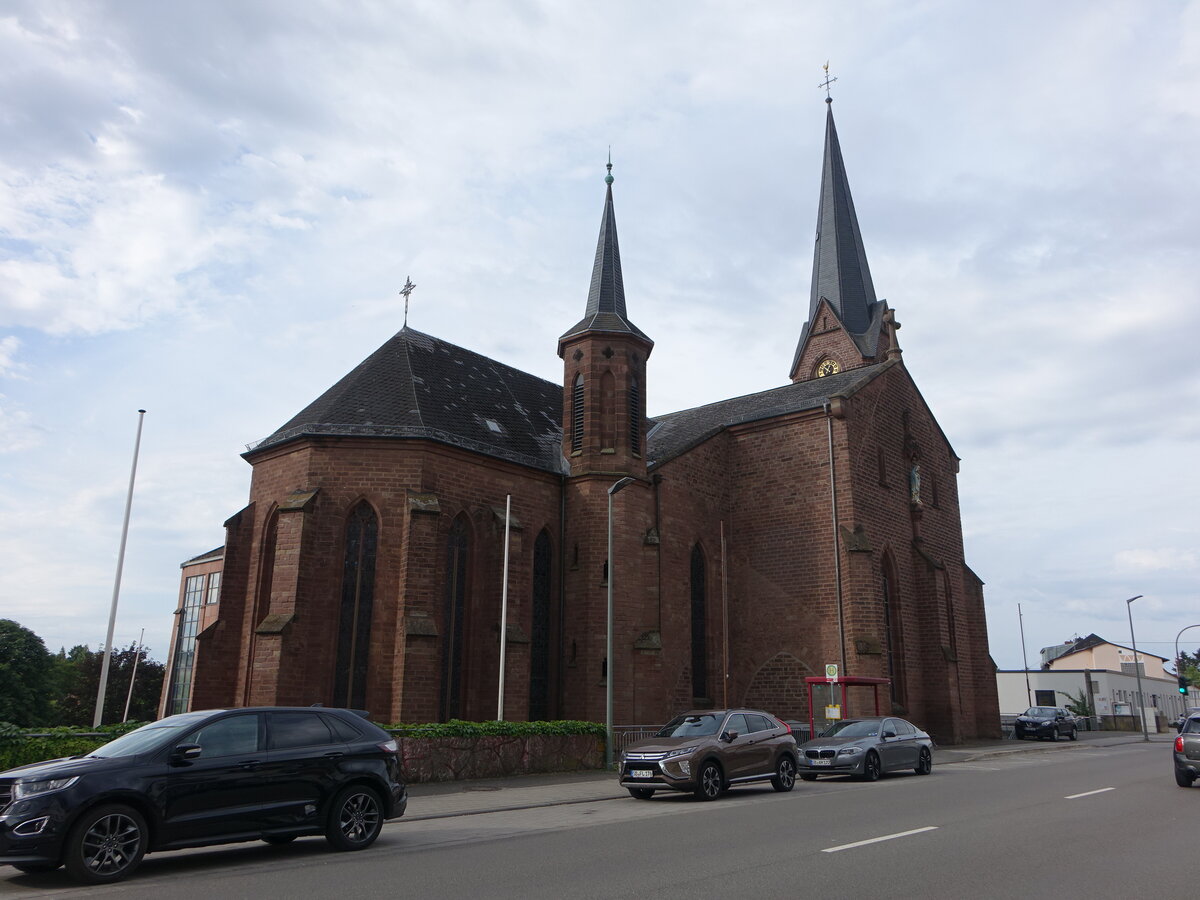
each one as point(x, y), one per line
point(849, 751)
point(681, 751)
point(23, 790)
point(1047, 722)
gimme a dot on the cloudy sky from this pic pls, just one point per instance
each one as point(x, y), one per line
point(207, 210)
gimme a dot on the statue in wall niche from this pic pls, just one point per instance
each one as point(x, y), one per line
point(914, 483)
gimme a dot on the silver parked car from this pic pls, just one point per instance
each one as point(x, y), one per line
point(867, 748)
point(1187, 752)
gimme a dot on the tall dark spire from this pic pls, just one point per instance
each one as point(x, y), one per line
point(840, 272)
point(606, 297)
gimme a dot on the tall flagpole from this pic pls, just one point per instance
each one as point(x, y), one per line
point(133, 677)
point(504, 610)
point(112, 613)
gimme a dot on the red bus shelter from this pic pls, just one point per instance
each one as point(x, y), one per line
point(847, 681)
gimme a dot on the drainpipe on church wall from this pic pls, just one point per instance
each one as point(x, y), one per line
point(837, 545)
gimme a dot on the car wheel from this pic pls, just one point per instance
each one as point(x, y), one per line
point(355, 818)
point(106, 845)
point(871, 767)
point(641, 793)
point(924, 763)
point(808, 776)
point(785, 775)
point(1182, 778)
point(36, 868)
point(279, 839)
point(1074, 734)
point(711, 782)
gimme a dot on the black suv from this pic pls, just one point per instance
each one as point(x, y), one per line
point(200, 778)
point(1049, 722)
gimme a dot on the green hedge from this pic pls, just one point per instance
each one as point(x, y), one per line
point(22, 746)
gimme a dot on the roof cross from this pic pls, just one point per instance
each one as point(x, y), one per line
point(828, 81)
point(406, 290)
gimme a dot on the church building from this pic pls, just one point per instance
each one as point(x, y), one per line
point(755, 540)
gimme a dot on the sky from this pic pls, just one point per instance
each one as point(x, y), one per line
point(207, 211)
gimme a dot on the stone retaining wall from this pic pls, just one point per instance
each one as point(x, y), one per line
point(453, 759)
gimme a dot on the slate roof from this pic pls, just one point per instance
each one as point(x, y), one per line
point(211, 554)
point(418, 386)
point(840, 272)
point(672, 434)
point(606, 296)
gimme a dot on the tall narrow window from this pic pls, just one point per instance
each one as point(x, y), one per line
point(266, 574)
point(358, 599)
point(893, 632)
point(577, 414)
point(635, 416)
point(453, 611)
point(608, 390)
point(539, 644)
point(699, 625)
point(185, 646)
point(951, 624)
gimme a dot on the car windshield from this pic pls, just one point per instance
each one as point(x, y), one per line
point(148, 737)
point(852, 729)
point(1041, 712)
point(691, 726)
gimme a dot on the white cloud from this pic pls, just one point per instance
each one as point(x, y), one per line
point(1162, 560)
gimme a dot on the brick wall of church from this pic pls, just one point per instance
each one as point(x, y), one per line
point(296, 666)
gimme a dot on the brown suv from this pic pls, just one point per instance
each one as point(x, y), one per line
point(707, 751)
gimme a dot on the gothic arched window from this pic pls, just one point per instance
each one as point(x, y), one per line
point(539, 643)
point(699, 625)
point(358, 599)
point(893, 630)
point(453, 611)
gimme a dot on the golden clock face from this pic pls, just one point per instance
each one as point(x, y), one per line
point(828, 367)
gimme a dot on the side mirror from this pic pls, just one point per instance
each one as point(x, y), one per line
point(889, 734)
point(729, 736)
point(186, 753)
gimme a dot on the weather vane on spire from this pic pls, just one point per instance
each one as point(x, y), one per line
point(406, 290)
point(827, 82)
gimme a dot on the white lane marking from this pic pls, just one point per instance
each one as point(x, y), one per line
point(1088, 793)
point(886, 837)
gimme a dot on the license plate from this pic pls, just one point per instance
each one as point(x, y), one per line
point(641, 773)
point(822, 762)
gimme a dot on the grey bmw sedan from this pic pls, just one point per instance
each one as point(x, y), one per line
point(867, 748)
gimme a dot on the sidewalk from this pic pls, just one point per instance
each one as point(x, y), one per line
point(441, 800)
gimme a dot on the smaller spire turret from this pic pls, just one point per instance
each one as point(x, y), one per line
point(606, 296)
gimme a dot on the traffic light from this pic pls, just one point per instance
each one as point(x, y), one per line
point(1184, 684)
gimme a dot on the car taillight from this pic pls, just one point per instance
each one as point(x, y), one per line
point(390, 746)
point(1179, 744)
point(785, 725)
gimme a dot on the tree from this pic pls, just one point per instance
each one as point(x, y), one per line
point(1189, 666)
point(81, 683)
point(24, 676)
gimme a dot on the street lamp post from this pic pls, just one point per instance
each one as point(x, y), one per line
point(608, 664)
point(1179, 662)
point(1136, 669)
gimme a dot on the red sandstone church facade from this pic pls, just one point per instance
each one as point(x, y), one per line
point(758, 539)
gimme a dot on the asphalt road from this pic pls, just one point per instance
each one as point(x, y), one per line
point(1091, 822)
